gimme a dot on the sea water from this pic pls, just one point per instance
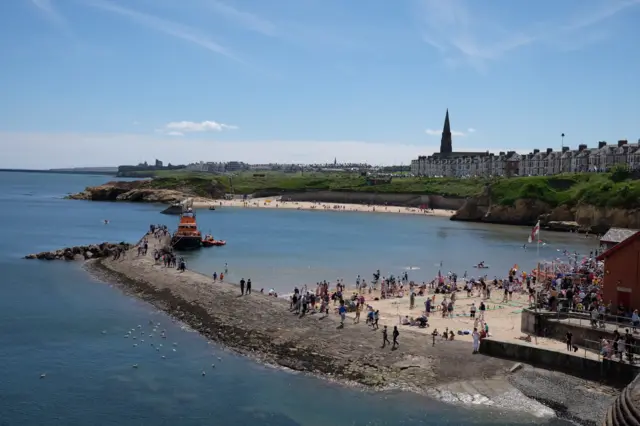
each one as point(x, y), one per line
point(65, 360)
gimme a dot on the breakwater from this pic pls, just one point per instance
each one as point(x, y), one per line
point(93, 251)
point(262, 326)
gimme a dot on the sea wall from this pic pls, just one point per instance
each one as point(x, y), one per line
point(404, 200)
point(611, 372)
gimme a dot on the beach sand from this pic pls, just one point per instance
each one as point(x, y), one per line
point(276, 203)
point(504, 319)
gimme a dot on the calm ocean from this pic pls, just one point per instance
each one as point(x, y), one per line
point(55, 319)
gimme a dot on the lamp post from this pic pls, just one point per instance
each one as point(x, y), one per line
point(561, 153)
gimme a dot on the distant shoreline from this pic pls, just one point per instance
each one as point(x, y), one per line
point(64, 172)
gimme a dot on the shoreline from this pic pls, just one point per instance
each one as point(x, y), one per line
point(262, 328)
point(277, 203)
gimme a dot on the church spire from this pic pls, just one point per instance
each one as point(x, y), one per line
point(446, 142)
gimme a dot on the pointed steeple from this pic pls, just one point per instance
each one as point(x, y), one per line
point(446, 142)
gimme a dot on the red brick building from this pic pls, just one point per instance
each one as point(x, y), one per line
point(622, 273)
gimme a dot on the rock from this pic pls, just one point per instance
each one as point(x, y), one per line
point(80, 252)
point(581, 218)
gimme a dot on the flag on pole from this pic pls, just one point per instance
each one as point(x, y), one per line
point(535, 232)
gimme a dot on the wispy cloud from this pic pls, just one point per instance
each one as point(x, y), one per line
point(170, 28)
point(179, 128)
point(460, 31)
point(48, 9)
point(434, 132)
point(246, 20)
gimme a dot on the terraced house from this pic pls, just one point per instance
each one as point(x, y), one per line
point(537, 163)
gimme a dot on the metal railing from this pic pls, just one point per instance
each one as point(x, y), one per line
point(607, 322)
point(631, 354)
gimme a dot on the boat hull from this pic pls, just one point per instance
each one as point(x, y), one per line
point(186, 243)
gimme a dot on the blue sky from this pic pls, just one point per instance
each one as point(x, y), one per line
point(107, 82)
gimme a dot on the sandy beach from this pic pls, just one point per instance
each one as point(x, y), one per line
point(276, 203)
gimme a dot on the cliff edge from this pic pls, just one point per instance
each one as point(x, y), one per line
point(583, 217)
point(150, 191)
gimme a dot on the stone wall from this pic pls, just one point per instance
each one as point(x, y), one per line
point(625, 410)
point(404, 200)
point(611, 372)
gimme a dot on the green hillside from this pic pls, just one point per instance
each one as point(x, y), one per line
point(616, 189)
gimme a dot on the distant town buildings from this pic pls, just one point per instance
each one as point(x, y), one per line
point(238, 166)
point(537, 163)
point(140, 167)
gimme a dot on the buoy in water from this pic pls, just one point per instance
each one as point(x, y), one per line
point(135, 365)
point(43, 375)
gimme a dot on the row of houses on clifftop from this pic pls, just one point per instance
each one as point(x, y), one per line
point(537, 163)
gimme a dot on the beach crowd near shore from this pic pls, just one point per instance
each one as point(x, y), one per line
point(450, 307)
point(278, 203)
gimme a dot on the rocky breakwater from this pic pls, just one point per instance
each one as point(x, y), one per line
point(128, 191)
point(93, 251)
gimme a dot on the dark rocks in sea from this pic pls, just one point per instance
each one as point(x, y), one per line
point(93, 251)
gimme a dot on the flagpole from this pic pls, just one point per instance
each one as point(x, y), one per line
point(538, 241)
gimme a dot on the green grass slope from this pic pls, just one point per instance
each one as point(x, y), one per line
point(616, 189)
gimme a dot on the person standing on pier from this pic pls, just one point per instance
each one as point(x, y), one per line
point(242, 282)
point(248, 286)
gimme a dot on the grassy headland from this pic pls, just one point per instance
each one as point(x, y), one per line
point(617, 189)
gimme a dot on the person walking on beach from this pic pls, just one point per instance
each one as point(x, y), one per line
point(342, 310)
point(248, 286)
point(396, 333)
point(242, 282)
point(482, 309)
point(215, 276)
point(476, 340)
point(376, 317)
point(358, 310)
point(385, 338)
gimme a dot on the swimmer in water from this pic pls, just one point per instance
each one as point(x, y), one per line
point(106, 222)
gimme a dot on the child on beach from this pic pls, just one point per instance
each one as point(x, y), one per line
point(342, 310)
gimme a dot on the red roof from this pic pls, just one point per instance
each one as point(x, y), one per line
point(619, 246)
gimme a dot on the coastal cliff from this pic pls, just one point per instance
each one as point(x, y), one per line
point(583, 217)
point(150, 191)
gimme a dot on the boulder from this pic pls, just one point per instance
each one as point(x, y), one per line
point(80, 252)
